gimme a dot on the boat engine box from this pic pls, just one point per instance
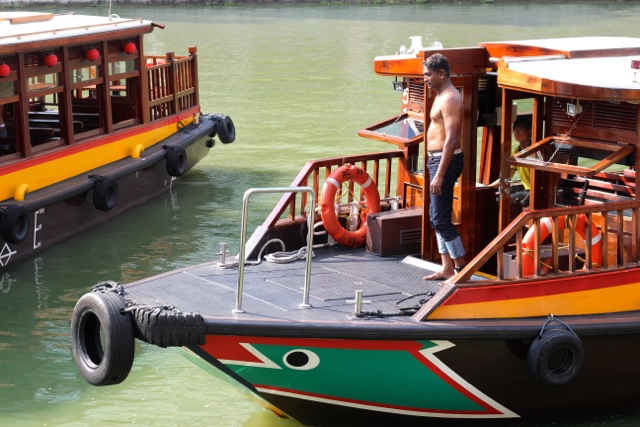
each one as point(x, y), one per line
point(396, 232)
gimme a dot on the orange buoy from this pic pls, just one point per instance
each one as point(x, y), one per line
point(528, 243)
point(328, 211)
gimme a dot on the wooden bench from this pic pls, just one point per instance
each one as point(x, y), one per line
point(604, 187)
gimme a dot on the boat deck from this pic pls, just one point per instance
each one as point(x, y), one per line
point(275, 290)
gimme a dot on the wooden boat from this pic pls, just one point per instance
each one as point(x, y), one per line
point(531, 330)
point(91, 127)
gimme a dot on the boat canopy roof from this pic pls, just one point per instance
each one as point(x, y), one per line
point(21, 31)
point(606, 78)
point(570, 47)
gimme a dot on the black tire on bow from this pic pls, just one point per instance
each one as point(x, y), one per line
point(105, 193)
point(225, 129)
point(176, 161)
point(14, 223)
point(102, 338)
point(556, 357)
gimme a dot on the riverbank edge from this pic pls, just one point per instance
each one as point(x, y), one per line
point(13, 4)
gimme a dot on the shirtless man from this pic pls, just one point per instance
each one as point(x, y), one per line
point(445, 163)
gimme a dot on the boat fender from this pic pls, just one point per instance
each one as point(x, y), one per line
point(14, 223)
point(330, 220)
point(105, 192)
point(555, 357)
point(102, 338)
point(225, 129)
point(176, 161)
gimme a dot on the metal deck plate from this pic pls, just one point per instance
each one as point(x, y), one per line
point(276, 290)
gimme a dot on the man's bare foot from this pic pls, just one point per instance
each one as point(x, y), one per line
point(439, 275)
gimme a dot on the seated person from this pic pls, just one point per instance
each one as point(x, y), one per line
point(522, 134)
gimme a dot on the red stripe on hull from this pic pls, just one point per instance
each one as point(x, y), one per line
point(565, 285)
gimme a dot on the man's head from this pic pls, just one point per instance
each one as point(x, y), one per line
point(436, 71)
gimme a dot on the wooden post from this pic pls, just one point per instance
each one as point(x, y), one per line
point(64, 104)
point(172, 82)
point(23, 138)
point(145, 114)
point(505, 153)
point(193, 52)
point(104, 95)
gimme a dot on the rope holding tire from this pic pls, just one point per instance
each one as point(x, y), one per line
point(555, 357)
point(345, 173)
point(102, 338)
point(105, 193)
point(176, 161)
point(14, 223)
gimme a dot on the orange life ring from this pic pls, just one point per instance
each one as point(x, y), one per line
point(528, 244)
point(328, 211)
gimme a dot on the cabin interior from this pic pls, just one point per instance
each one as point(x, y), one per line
point(85, 86)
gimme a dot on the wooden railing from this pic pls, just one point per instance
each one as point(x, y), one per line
point(381, 167)
point(172, 84)
point(618, 225)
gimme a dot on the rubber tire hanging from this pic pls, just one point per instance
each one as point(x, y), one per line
point(102, 338)
point(225, 129)
point(556, 357)
point(176, 161)
point(105, 193)
point(14, 223)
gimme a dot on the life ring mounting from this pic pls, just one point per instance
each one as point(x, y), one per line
point(348, 172)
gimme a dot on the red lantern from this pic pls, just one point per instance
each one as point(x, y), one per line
point(4, 70)
point(50, 59)
point(129, 47)
point(92, 54)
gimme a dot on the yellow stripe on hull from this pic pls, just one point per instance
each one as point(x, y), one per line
point(594, 301)
point(80, 158)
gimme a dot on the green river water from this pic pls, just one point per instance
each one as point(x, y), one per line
point(298, 83)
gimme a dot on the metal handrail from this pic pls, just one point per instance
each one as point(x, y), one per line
point(243, 237)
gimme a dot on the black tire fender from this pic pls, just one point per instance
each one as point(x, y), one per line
point(14, 223)
point(226, 129)
point(105, 193)
point(176, 161)
point(556, 357)
point(102, 338)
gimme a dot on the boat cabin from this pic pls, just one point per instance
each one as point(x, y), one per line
point(582, 96)
point(67, 79)
point(84, 111)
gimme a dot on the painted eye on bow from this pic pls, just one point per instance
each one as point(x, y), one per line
point(302, 360)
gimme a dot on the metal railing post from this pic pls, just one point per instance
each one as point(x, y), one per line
point(243, 237)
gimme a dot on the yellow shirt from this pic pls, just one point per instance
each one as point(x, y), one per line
point(524, 172)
